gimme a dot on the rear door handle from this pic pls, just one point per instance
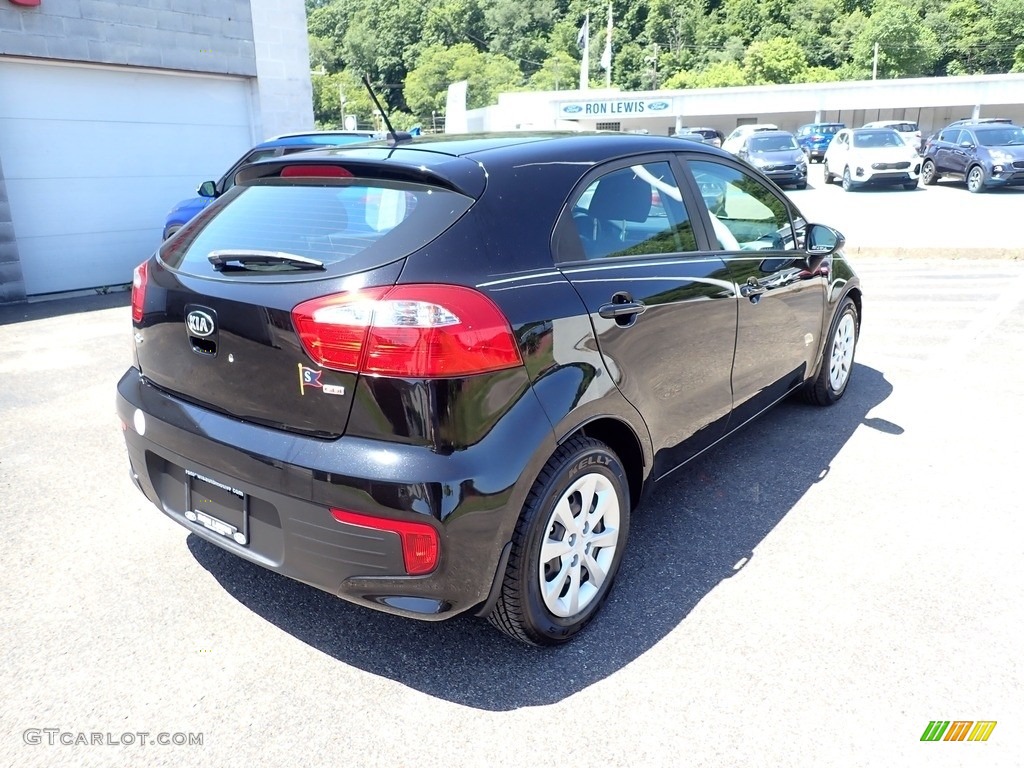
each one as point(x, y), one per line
point(614, 310)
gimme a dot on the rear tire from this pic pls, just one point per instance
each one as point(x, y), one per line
point(828, 176)
point(837, 359)
point(566, 547)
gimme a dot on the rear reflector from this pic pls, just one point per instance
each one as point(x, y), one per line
point(415, 331)
point(420, 546)
point(315, 171)
point(139, 279)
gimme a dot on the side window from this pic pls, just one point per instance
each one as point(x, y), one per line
point(745, 214)
point(949, 135)
point(633, 212)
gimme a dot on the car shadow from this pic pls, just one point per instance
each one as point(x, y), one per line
point(26, 311)
point(695, 531)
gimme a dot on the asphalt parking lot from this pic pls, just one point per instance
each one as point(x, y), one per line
point(812, 593)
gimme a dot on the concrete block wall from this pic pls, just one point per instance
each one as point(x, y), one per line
point(213, 36)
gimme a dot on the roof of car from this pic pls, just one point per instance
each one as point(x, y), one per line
point(458, 158)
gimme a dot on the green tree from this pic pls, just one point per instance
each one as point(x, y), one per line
point(906, 46)
point(779, 60)
point(559, 72)
point(426, 88)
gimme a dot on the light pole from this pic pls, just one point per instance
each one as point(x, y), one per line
point(433, 119)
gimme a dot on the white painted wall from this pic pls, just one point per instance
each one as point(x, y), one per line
point(95, 156)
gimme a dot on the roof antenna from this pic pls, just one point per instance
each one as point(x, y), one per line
point(394, 136)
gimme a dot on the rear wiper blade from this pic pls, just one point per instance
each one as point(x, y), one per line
point(254, 259)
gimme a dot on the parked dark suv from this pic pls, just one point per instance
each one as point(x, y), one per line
point(985, 155)
point(437, 377)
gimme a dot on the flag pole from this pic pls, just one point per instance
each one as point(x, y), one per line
point(585, 61)
point(606, 58)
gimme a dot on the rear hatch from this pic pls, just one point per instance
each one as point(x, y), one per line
point(214, 309)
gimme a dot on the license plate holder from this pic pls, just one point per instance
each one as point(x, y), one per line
point(217, 507)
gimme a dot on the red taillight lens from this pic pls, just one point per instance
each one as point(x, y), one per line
point(420, 545)
point(139, 279)
point(315, 171)
point(418, 331)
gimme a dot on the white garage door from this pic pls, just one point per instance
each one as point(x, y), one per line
point(94, 157)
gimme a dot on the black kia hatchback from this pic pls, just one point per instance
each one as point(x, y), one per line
point(437, 377)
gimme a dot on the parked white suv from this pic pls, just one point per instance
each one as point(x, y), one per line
point(734, 140)
point(907, 129)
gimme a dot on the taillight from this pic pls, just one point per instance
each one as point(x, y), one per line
point(420, 545)
point(139, 279)
point(417, 331)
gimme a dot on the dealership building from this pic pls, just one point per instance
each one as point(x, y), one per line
point(111, 111)
point(930, 102)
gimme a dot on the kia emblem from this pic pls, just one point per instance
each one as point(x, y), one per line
point(200, 323)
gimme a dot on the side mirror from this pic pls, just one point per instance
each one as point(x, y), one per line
point(966, 145)
point(207, 189)
point(820, 240)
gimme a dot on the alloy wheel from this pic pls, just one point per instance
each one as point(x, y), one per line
point(841, 358)
point(976, 179)
point(579, 547)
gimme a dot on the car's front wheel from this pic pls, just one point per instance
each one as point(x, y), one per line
point(928, 174)
point(976, 179)
point(567, 545)
point(837, 360)
point(847, 180)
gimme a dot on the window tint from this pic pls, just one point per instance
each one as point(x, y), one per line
point(366, 222)
point(879, 138)
point(633, 212)
point(772, 143)
point(745, 214)
point(949, 135)
point(998, 137)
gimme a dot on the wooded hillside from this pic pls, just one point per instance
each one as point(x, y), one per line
point(413, 49)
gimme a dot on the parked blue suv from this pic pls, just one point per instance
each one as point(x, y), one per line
point(814, 138)
point(209, 191)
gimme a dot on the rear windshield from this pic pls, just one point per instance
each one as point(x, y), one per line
point(358, 224)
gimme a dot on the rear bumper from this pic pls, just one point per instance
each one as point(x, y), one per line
point(289, 484)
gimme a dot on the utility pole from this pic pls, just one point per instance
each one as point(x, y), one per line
point(874, 64)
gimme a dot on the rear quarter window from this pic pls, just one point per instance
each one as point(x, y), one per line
point(349, 225)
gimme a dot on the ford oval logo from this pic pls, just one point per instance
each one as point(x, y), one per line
point(572, 109)
point(199, 323)
point(657, 106)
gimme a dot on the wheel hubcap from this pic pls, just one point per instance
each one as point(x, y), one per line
point(578, 550)
point(975, 179)
point(842, 353)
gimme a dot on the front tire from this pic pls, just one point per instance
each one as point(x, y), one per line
point(976, 179)
point(928, 174)
point(837, 360)
point(910, 185)
point(847, 180)
point(567, 545)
